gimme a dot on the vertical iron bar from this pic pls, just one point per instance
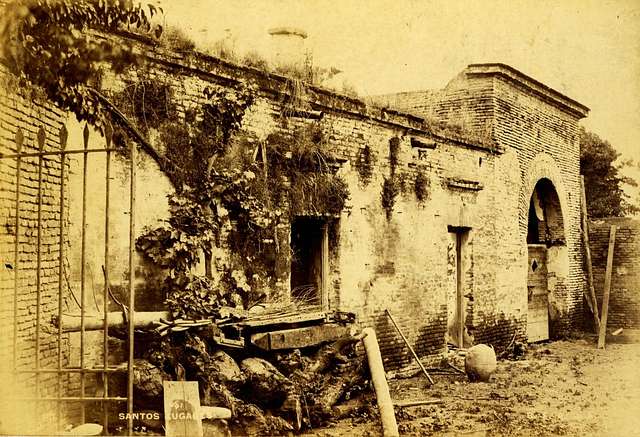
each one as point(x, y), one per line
point(132, 200)
point(41, 140)
point(459, 286)
point(85, 135)
point(19, 139)
point(63, 144)
point(105, 405)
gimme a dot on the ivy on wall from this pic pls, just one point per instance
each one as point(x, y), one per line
point(233, 192)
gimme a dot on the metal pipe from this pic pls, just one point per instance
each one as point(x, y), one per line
point(72, 398)
point(63, 144)
point(111, 369)
point(132, 200)
point(16, 261)
point(85, 137)
point(105, 295)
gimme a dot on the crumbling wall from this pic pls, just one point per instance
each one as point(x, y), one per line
point(398, 261)
point(624, 300)
point(399, 258)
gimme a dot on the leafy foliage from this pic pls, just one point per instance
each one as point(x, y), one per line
point(602, 178)
point(50, 44)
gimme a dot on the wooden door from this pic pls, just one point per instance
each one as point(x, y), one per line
point(538, 300)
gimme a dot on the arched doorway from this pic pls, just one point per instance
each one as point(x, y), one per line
point(546, 245)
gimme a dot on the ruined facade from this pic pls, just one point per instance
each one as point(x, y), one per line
point(487, 248)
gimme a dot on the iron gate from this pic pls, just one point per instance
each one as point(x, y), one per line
point(41, 157)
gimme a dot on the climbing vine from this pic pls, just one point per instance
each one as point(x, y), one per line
point(394, 184)
point(390, 190)
point(234, 192)
point(421, 186)
point(364, 165)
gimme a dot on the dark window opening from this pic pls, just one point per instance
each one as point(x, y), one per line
point(308, 260)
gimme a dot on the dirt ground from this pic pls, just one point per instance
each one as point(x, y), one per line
point(565, 388)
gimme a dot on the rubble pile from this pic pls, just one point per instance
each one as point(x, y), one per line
point(270, 388)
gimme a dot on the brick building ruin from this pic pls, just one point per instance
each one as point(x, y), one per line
point(490, 249)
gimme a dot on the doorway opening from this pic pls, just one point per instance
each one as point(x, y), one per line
point(309, 262)
point(460, 293)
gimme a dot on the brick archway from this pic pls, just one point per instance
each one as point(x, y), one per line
point(544, 206)
point(543, 166)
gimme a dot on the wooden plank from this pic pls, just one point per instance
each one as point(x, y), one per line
point(607, 288)
point(592, 302)
point(538, 295)
point(324, 253)
point(182, 414)
point(300, 337)
point(459, 287)
point(415, 403)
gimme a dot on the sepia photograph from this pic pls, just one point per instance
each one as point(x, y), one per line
point(320, 218)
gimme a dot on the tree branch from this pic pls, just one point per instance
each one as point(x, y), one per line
point(167, 167)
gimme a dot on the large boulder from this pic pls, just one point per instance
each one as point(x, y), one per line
point(267, 385)
point(480, 362)
point(224, 370)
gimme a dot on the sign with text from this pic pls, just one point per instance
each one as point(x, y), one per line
point(182, 409)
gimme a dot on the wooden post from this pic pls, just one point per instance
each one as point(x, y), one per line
point(607, 288)
point(591, 296)
point(379, 379)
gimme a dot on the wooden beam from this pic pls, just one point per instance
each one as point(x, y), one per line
point(300, 337)
point(607, 288)
point(590, 296)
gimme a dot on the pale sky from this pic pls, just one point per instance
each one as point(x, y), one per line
point(586, 49)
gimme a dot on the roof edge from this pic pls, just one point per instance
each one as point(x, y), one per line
point(541, 90)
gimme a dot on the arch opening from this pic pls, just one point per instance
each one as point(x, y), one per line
point(547, 259)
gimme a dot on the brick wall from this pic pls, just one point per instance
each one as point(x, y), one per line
point(26, 111)
point(624, 298)
point(401, 264)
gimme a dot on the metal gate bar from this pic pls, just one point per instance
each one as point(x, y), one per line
point(132, 245)
point(63, 145)
point(83, 250)
point(16, 261)
point(60, 370)
point(105, 295)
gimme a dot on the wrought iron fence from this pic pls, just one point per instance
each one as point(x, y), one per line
point(41, 158)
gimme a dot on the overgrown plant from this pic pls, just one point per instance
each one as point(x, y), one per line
point(49, 44)
point(234, 192)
